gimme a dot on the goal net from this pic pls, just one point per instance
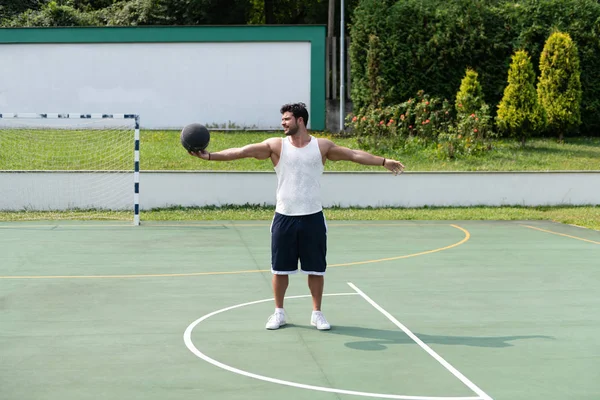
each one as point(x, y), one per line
point(70, 162)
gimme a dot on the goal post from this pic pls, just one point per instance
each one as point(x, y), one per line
point(72, 161)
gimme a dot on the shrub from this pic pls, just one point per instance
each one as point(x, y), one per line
point(428, 44)
point(519, 112)
point(370, 17)
point(559, 86)
point(533, 21)
point(469, 98)
point(418, 120)
point(469, 135)
point(52, 14)
point(377, 83)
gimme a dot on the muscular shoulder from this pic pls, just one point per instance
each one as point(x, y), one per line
point(325, 144)
point(274, 144)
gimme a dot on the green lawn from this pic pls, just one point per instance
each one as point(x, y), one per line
point(161, 150)
point(588, 217)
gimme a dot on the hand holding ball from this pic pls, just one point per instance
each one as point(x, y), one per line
point(195, 138)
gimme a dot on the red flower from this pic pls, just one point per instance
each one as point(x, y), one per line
point(475, 130)
point(354, 119)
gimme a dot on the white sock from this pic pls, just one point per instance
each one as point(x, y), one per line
point(279, 310)
point(316, 312)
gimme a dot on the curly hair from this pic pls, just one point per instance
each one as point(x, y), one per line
point(297, 109)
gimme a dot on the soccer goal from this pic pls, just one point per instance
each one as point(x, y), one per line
point(62, 163)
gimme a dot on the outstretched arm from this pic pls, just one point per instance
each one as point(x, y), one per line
point(339, 153)
point(260, 151)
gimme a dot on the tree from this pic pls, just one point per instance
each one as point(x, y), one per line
point(53, 14)
point(377, 84)
point(519, 112)
point(559, 86)
point(10, 8)
point(469, 98)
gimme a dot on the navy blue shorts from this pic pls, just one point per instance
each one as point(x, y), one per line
point(299, 237)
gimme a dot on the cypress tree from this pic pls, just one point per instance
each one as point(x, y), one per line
point(469, 98)
point(559, 86)
point(519, 112)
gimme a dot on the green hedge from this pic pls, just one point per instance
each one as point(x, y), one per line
point(428, 44)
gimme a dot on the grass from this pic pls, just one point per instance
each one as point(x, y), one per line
point(161, 150)
point(584, 216)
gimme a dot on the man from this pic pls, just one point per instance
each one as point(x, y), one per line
point(298, 229)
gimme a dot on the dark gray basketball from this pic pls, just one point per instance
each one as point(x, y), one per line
point(195, 137)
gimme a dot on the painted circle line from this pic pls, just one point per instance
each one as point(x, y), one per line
point(187, 338)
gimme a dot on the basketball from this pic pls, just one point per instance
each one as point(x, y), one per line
point(195, 137)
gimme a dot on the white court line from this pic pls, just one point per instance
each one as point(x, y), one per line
point(187, 338)
point(428, 349)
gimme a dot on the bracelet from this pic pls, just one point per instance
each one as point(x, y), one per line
point(383, 163)
point(208, 156)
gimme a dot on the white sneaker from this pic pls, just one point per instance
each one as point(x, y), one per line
point(318, 319)
point(276, 321)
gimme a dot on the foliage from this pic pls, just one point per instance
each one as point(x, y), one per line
point(170, 12)
point(519, 112)
point(469, 135)
point(370, 18)
point(424, 123)
point(206, 12)
point(10, 8)
point(469, 98)
point(432, 48)
point(533, 21)
point(559, 87)
point(293, 11)
point(52, 14)
point(377, 83)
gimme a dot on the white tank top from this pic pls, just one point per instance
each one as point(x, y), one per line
point(299, 173)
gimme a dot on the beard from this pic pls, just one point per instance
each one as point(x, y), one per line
point(292, 131)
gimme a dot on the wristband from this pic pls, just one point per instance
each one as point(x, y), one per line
point(208, 156)
point(383, 163)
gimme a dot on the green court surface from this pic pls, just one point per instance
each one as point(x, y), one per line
point(419, 310)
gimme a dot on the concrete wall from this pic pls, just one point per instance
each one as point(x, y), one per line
point(225, 77)
point(218, 84)
point(163, 189)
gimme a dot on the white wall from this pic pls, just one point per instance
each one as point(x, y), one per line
point(377, 189)
point(62, 190)
point(168, 84)
point(162, 189)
